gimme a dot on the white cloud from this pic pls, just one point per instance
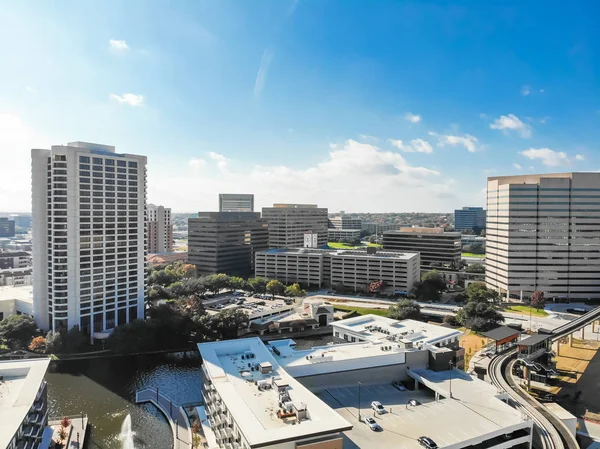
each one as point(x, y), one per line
point(511, 122)
point(525, 90)
point(548, 157)
point(468, 141)
point(545, 120)
point(263, 70)
point(119, 45)
point(579, 157)
point(368, 137)
point(482, 115)
point(130, 99)
point(415, 146)
point(413, 118)
point(386, 173)
point(221, 160)
point(31, 90)
point(541, 91)
point(197, 162)
point(333, 146)
point(517, 166)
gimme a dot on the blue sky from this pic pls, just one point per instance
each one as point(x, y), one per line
point(377, 106)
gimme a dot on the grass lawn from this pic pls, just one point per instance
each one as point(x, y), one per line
point(362, 310)
point(340, 245)
point(376, 245)
point(525, 310)
point(481, 256)
point(472, 342)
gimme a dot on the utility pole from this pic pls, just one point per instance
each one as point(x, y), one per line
point(358, 401)
point(451, 369)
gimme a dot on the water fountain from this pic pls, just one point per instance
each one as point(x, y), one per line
point(126, 435)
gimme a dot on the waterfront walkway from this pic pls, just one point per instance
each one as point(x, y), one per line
point(175, 414)
point(76, 432)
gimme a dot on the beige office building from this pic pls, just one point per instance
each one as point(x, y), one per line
point(434, 245)
point(289, 222)
point(352, 269)
point(543, 233)
point(160, 229)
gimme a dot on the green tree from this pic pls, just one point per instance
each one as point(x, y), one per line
point(430, 288)
point(229, 322)
point(238, 283)
point(274, 287)
point(216, 282)
point(479, 316)
point(475, 268)
point(75, 340)
point(17, 331)
point(53, 342)
point(295, 290)
point(478, 292)
point(258, 284)
point(405, 310)
point(537, 299)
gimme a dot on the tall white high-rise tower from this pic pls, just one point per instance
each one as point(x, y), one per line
point(89, 237)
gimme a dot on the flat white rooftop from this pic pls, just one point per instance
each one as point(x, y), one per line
point(378, 328)
point(18, 389)
point(478, 396)
point(255, 411)
point(349, 253)
point(23, 293)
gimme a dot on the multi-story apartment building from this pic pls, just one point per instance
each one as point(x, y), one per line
point(469, 218)
point(434, 245)
point(350, 269)
point(160, 229)
point(289, 222)
point(7, 227)
point(225, 242)
point(23, 404)
point(14, 259)
point(236, 202)
point(343, 235)
point(89, 237)
point(252, 402)
point(345, 222)
point(543, 233)
point(379, 228)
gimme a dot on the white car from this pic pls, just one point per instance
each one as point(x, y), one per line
point(372, 424)
point(376, 405)
point(399, 386)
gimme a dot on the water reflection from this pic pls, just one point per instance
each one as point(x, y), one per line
point(105, 390)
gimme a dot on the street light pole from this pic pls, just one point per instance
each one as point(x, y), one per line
point(451, 368)
point(358, 401)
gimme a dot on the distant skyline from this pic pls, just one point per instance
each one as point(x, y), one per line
point(386, 106)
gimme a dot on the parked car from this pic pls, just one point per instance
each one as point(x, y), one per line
point(377, 407)
point(373, 424)
point(399, 386)
point(427, 442)
point(413, 402)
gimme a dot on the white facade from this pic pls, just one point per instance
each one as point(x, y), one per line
point(311, 240)
point(89, 218)
point(160, 229)
point(23, 403)
point(355, 269)
point(236, 202)
point(252, 402)
point(543, 233)
point(343, 235)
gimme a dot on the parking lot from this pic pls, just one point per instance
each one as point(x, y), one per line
point(395, 422)
point(448, 422)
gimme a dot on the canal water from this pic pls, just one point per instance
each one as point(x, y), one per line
point(105, 389)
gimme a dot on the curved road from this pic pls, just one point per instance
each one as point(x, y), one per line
point(547, 434)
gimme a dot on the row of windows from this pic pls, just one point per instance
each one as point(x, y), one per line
point(100, 161)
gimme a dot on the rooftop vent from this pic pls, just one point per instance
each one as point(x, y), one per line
point(265, 367)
